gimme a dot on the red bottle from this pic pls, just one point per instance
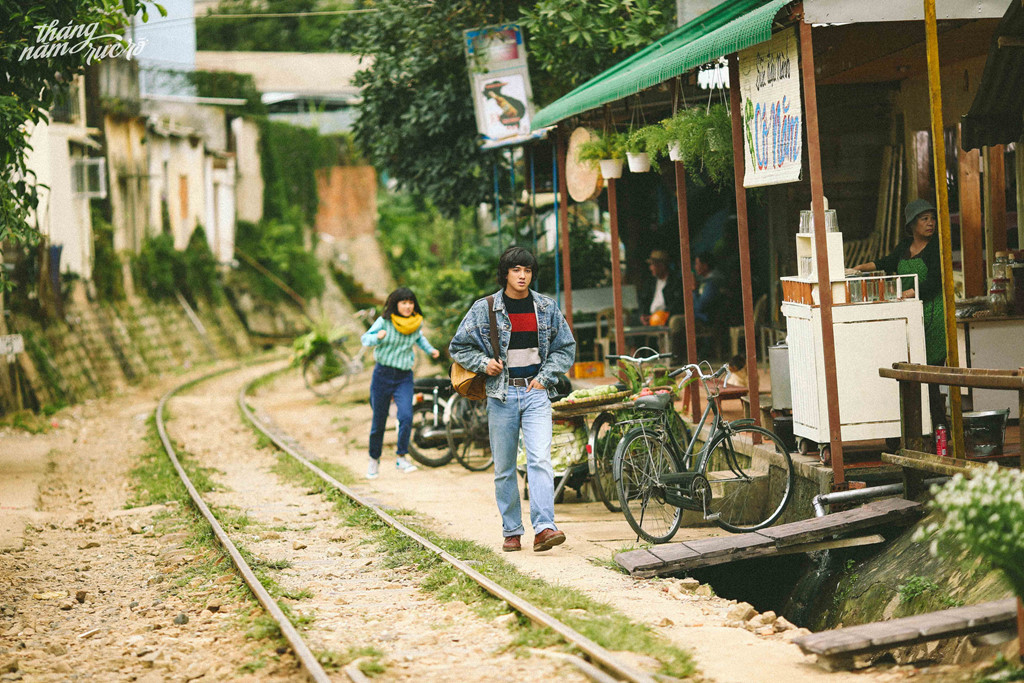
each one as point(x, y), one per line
point(941, 441)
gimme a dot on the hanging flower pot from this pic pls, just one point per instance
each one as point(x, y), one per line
point(639, 162)
point(611, 168)
point(675, 151)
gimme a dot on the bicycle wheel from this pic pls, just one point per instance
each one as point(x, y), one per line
point(604, 439)
point(748, 492)
point(327, 372)
point(640, 462)
point(468, 435)
point(428, 443)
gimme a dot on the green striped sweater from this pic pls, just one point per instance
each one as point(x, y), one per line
point(395, 349)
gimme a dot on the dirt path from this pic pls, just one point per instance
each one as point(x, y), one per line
point(461, 503)
point(94, 591)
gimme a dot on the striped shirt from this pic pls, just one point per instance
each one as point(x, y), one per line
point(395, 349)
point(524, 347)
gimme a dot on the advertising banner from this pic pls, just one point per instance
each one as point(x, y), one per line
point(500, 81)
point(772, 111)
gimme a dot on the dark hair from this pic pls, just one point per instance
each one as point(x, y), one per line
point(400, 294)
point(706, 258)
point(515, 256)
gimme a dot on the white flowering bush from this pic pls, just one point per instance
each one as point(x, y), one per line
point(985, 515)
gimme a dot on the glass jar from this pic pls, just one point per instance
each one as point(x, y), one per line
point(997, 302)
point(1000, 265)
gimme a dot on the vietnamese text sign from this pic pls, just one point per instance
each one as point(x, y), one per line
point(772, 111)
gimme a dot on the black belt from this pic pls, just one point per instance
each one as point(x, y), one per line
point(520, 381)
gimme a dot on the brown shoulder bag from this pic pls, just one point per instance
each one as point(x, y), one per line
point(473, 385)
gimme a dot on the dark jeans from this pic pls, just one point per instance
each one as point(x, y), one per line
point(388, 383)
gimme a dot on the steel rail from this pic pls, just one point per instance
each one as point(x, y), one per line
point(299, 647)
point(524, 607)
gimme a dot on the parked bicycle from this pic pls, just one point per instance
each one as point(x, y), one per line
point(607, 430)
point(468, 434)
point(327, 363)
point(657, 477)
point(431, 409)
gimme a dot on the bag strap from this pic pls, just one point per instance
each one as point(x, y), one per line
point(494, 327)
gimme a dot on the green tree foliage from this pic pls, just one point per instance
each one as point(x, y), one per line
point(106, 270)
point(201, 280)
point(28, 87)
point(571, 41)
point(277, 245)
point(313, 33)
point(416, 122)
point(289, 157)
point(159, 267)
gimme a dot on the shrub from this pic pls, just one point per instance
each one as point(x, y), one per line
point(106, 269)
point(278, 247)
point(160, 267)
point(200, 268)
point(985, 515)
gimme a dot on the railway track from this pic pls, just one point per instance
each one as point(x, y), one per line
point(599, 664)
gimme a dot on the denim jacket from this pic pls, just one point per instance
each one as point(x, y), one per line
point(471, 345)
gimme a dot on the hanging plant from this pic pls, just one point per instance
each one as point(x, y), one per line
point(639, 150)
point(607, 150)
point(704, 140)
point(610, 145)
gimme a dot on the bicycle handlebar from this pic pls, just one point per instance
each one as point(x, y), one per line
point(654, 355)
point(695, 369)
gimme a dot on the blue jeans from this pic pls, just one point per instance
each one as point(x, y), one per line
point(529, 411)
point(388, 383)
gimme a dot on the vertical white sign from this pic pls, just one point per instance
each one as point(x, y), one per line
point(500, 81)
point(773, 119)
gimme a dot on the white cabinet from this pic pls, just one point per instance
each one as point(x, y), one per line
point(995, 343)
point(868, 336)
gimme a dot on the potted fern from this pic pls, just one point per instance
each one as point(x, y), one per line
point(607, 150)
point(700, 138)
point(639, 149)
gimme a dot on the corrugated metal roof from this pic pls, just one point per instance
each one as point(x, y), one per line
point(996, 116)
point(729, 27)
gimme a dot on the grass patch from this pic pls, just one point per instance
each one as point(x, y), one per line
point(26, 421)
point(156, 480)
point(370, 656)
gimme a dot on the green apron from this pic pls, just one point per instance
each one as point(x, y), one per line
point(934, 312)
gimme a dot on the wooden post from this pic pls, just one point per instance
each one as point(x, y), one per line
point(688, 284)
point(821, 252)
point(613, 212)
point(995, 203)
point(744, 241)
point(942, 197)
point(563, 227)
point(970, 223)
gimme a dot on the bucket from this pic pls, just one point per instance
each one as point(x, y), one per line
point(778, 364)
point(985, 432)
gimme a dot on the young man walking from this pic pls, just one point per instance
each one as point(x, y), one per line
point(535, 344)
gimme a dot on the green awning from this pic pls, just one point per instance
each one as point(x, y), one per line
point(997, 113)
point(731, 26)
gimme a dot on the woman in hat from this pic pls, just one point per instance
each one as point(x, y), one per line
point(918, 253)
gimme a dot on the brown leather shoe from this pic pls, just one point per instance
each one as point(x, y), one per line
point(511, 544)
point(547, 539)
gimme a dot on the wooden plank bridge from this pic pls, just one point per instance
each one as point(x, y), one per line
point(837, 648)
point(806, 535)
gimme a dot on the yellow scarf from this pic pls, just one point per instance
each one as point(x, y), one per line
point(407, 325)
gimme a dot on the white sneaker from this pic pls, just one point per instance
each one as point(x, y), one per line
point(404, 465)
point(373, 470)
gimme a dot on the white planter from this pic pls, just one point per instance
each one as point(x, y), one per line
point(639, 162)
point(611, 168)
point(675, 152)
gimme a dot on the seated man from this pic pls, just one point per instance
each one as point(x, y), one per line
point(660, 298)
point(713, 306)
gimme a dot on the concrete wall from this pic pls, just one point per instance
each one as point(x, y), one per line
point(128, 182)
point(220, 206)
point(177, 167)
point(248, 175)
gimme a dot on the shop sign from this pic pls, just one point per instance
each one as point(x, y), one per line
point(772, 111)
point(500, 82)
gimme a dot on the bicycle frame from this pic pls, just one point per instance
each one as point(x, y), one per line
point(675, 484)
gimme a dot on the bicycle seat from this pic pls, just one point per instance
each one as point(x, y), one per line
point(653, 402)
point(431, 382)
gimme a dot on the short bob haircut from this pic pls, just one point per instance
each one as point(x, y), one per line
point(400, 294)
point(516, 256)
